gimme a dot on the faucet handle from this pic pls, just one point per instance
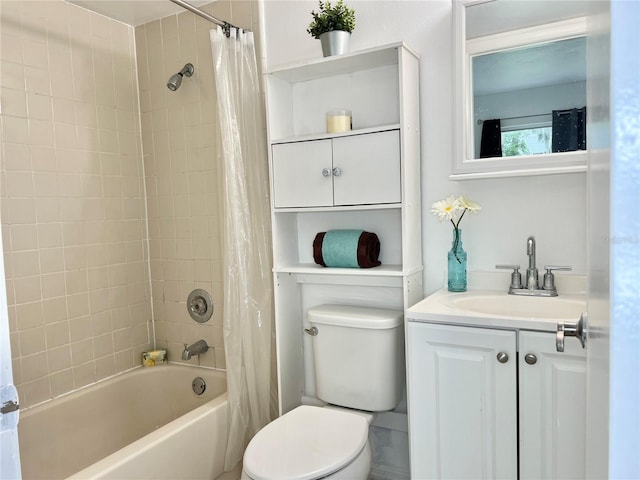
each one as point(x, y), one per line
point(549, 268)
point(509, 267)
point(549, 282)
point(516, 278)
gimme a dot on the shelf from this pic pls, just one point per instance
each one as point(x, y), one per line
point(339, 64)
point(386, 270)
point(339, 208)
point(519, 173)
point(315, 269)
point(324, 136)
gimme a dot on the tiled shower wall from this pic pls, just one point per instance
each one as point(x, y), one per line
point(182, 168)
point(74, 218)
point(73, 210)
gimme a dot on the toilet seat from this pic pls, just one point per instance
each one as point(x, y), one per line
point(306, 443)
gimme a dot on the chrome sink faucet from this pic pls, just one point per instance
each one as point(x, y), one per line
point(195, 349)
point(532, 286)
point(532, 271)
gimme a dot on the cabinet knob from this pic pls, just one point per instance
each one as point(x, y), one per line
point(530, 358)
point(502, 357)
point(326, 172)
point(337, 172)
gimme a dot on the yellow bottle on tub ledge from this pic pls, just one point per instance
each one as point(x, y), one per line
point(154, 357)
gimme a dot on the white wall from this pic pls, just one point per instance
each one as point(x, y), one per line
point(552, 208)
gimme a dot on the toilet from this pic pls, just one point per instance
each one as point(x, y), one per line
point(358, 357)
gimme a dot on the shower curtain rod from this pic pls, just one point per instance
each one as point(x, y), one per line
point(226, 26)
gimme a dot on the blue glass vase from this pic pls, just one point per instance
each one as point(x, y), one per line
point(457, 264)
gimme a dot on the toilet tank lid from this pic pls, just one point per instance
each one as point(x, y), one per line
point(355, 317)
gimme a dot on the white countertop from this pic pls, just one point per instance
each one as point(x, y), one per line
point(497, 304)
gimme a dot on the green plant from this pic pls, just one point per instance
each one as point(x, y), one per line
point(332, 17)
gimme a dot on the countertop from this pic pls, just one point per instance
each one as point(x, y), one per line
point(441, 307)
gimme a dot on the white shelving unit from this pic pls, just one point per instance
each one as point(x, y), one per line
point(376, 188)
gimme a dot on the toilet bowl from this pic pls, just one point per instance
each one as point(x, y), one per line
point(310, 443)
point(358, 357)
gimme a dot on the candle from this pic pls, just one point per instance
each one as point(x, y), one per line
point(338, 121)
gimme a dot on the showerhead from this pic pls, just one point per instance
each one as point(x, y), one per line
point(176, 80)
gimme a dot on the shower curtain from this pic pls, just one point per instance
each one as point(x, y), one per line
point(247, 278)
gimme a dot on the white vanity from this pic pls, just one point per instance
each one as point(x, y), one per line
point(489, 394)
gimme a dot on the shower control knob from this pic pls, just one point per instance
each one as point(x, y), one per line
point(326, 172)
point(502, 357)
point(530, 358)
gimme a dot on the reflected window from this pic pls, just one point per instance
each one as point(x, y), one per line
point(526, 141)
point(528, 89)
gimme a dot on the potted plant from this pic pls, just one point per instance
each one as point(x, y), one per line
point(333, 25)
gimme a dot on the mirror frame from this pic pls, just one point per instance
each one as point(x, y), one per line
point(465, 166)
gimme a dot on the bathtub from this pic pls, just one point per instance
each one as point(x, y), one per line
point(143, 424)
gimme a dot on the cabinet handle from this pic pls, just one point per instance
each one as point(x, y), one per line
point(326, 172)
point(337, 172)
point(502, 357)
point(530, 358)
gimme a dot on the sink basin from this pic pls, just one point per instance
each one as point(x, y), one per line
point(505, 305)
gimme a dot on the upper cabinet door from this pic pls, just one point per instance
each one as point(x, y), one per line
point(462, 402)
point(367, 169)
point(351, 170)
point(552, 408)
point(302, 174)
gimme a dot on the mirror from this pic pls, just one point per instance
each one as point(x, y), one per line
point(521, 88)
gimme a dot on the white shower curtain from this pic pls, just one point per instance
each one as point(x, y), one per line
point(247, 278)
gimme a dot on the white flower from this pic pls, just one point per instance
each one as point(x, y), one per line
point(468, 204)
point(445, 209)
point(453, 209)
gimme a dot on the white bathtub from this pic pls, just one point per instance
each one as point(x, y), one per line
point(144, 424)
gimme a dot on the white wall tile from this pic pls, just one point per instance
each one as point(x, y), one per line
point(73, 193)
point(61, 382)
point(24, 237)
point(29, 315)
point(51, 261)
point(14, 102)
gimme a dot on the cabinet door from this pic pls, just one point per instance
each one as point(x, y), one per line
point(369, 169)
point(552, 408)
point(298, 179)
point(462, 402)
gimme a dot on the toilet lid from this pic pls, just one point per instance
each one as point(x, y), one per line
point(306, 443)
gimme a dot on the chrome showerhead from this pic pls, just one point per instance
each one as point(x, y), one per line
point(176, 80)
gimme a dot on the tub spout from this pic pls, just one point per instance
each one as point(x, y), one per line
point(196, 349)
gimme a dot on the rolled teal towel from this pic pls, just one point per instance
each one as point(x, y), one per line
point(346, 249)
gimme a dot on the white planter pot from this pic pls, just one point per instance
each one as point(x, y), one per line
point(335, 42)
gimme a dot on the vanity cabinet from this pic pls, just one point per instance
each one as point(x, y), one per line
point(349, 170)
point(494, 403)
point(552, 404)
point(367, 178)
point(462, 402)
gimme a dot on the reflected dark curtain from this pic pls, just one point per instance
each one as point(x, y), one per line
point(568, 130)
point(491, 139)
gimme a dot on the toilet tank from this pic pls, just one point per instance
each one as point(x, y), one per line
point(359, 356)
